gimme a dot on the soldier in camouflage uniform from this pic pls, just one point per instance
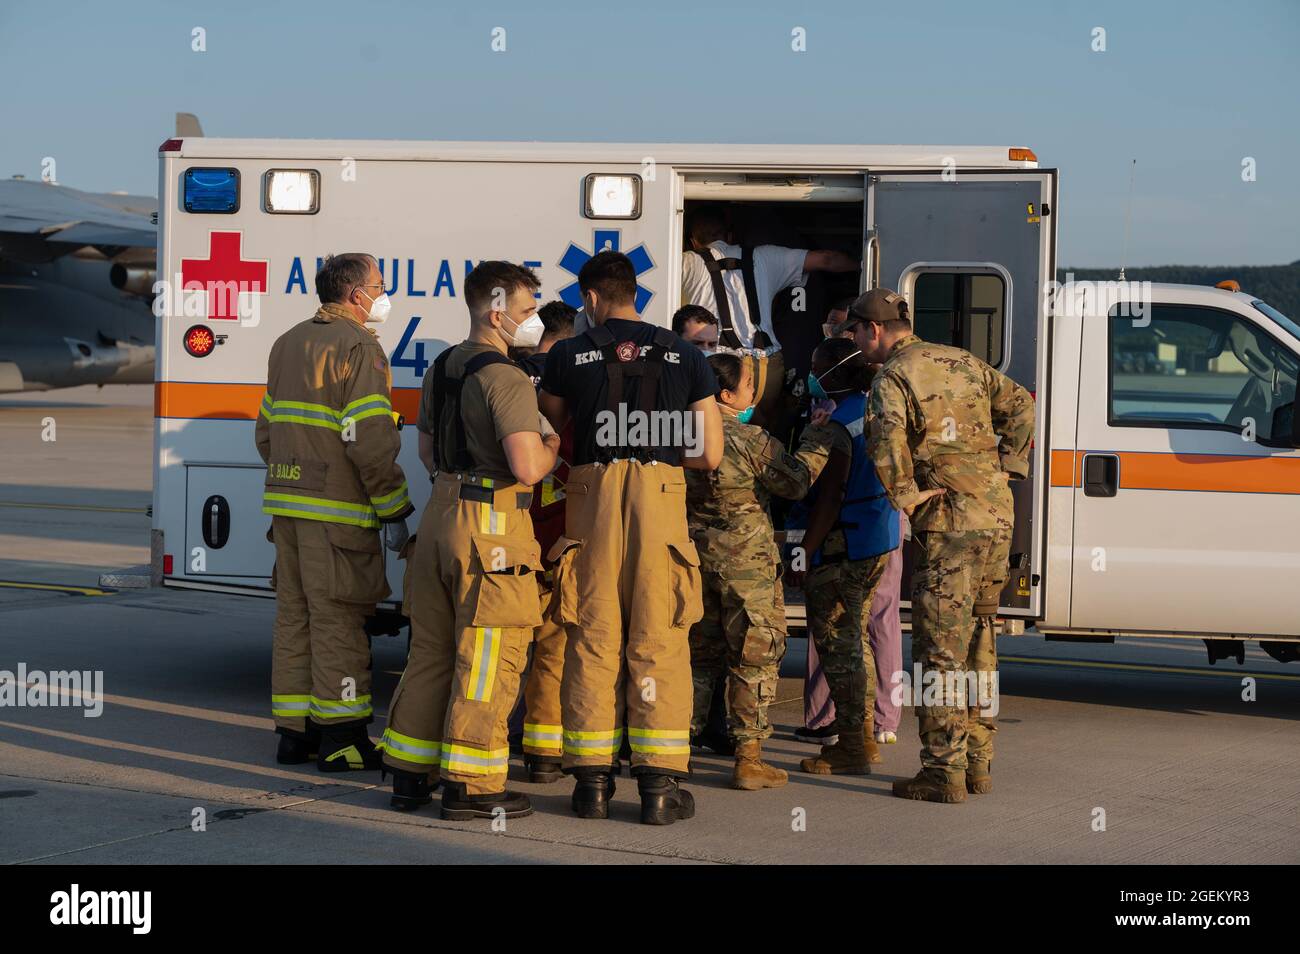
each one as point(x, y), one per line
point(742, 632)
point(947, 433)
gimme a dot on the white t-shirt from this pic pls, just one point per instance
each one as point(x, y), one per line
point(775, 268)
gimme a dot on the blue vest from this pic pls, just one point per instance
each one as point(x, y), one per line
point(869, 521)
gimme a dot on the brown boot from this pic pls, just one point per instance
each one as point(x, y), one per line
point(929, 788)
point(869, 740)
point(979, 780)
point(848, 756)
point(751, 772)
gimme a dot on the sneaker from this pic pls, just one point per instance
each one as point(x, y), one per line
point(886, 738)
point(826, 735)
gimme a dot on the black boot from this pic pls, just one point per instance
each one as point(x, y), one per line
point(458, 805)
point(543, 770)
point(297, 748)
point(592, 793)
point(662, 801)
point(347, 748)
point(410, 791)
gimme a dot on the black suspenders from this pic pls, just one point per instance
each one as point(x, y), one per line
point(448, 389)
point(648, 369)
point(716, 266)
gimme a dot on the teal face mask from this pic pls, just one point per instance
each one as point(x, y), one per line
point(746, 415)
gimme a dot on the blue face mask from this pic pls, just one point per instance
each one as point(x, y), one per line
point(746, 415)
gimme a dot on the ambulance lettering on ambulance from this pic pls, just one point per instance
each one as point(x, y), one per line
point(1165, 441)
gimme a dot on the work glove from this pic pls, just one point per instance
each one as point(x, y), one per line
point(395, 535)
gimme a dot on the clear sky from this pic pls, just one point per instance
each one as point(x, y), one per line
point(1190, 89)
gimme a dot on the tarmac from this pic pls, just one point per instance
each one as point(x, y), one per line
point(1137, 752)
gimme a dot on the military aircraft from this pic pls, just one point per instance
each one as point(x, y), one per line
point(76, 284)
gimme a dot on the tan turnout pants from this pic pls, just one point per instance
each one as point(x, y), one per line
point(628, 590)
point(472, 598)
point(543, 729)
point(327, 578)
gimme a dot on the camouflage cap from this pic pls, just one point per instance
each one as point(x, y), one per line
point(878, 305)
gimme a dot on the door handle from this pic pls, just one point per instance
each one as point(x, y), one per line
point(1100, 475)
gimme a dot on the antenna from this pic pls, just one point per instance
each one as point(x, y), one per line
point(1128, 218)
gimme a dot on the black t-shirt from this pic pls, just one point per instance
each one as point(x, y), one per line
point(533, 365)
point(576, 372)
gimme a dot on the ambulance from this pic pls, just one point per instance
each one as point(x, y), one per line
point(1164, 496)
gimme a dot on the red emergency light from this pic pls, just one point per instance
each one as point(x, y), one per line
point(199, 341)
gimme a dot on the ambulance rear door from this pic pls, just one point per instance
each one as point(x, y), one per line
point(973, 252)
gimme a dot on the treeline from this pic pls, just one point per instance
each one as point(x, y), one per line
point(1279, 285)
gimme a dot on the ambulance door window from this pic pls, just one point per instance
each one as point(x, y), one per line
point(1198, 368)
point(966, 309)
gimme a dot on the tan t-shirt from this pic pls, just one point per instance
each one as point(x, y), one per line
point(497, 401)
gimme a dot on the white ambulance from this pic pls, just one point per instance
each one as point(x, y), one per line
point(1165, 490)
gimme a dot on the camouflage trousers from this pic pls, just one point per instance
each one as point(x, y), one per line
point(956, 582)
point(838, 597)
point(741, 636)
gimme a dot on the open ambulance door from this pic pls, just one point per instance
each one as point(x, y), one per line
point(973, 252)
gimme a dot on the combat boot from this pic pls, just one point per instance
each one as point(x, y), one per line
point(459, 805)
point(542, 770)
point(592, 792)
point(929, 788)
point(717, 742)
point(410, 790)
point(297, 748)
point(979, 778)
point(662, 801)
point(848, 756)
point(869, 741)
point(347, 748)
point(751, 772)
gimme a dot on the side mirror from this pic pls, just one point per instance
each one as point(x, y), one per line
point(1284, 425)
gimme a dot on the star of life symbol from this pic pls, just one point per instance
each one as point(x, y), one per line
point(575, 256)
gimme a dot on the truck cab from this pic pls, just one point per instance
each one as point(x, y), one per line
point(1173, 472)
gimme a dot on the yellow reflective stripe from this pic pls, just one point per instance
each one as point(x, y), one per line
point(483, 671)
point(388, 504)
point(469, 760)
point(368, 399)
point(541, 736)
point(368, 523)
point(309, 421)
point(341, 708)
point(660, 741)
point(290, 706)
point(492, 522)
point(408, 749)
point(362, 415)
point(336, 504)
point(304, 406)
point(605, 742)
point(266, 406)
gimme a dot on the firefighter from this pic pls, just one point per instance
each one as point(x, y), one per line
point(472, 592)
point(327, 435)
point(627, 574)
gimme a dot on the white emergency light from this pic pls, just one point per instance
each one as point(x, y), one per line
point(292, 191)
point(612, 196)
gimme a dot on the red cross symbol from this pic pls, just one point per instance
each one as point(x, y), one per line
point(224, 274)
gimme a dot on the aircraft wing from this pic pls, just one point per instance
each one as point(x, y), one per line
point(40, 222)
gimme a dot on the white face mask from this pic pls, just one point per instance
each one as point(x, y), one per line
point(528, 334)
point(379, 308)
